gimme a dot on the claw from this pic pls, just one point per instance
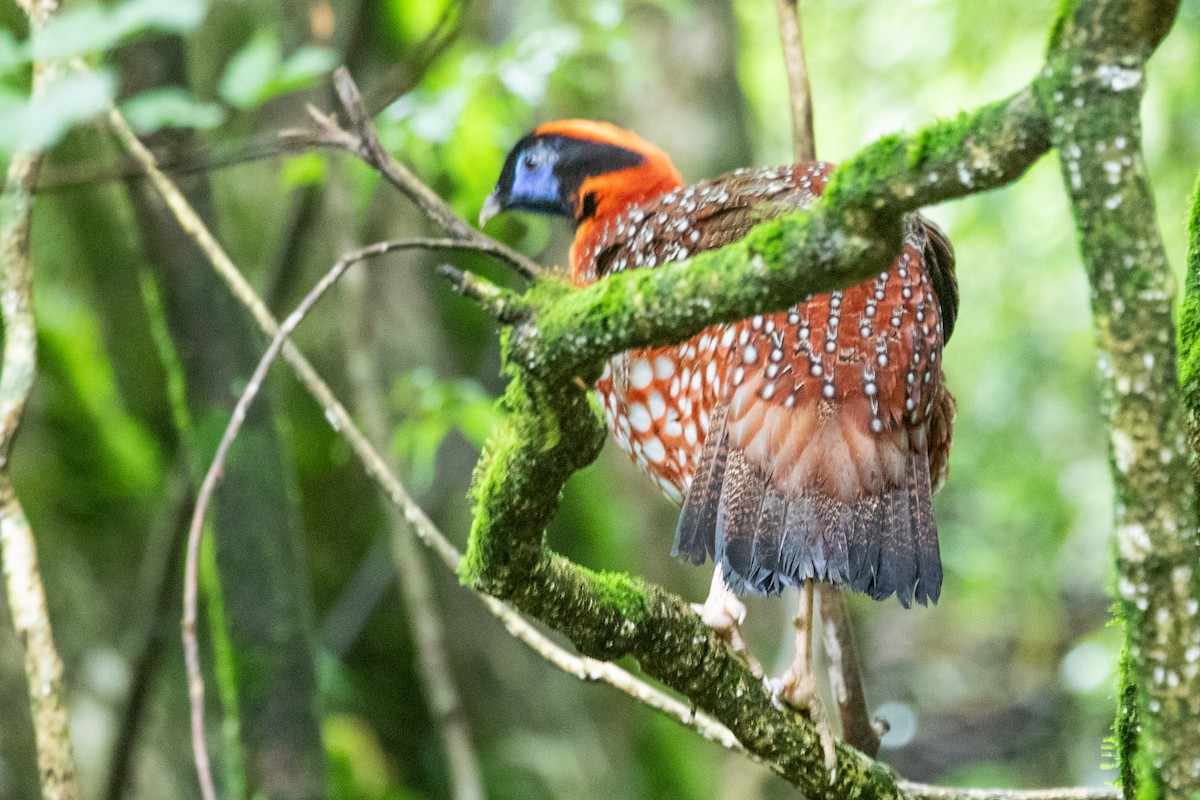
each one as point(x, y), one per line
point(799, 692)
point(724, 613)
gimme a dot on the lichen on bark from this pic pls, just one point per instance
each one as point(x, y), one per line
point(1092, 93)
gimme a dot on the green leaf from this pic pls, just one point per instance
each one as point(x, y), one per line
point(171, 108)
point(168, 16)
point(430, 409)
point(40, 122)
point(89, 29)
point(12, 53)
point(303, 170)
point(258, 72)
point(250, 70)
point(305, 65)
point(75, 32)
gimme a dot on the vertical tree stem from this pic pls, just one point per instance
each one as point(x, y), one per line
point(791, 35)
point(26, 595)
point(1094, 109)
point(845, 670)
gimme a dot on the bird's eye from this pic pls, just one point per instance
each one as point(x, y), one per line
point(532, 160)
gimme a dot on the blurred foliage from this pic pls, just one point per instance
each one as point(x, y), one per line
point(90, 31)
point(1010, 680)
point(430, 409)
point(259, 71)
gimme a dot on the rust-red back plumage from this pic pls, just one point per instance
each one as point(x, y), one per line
point(807, 443)
point(801, 439)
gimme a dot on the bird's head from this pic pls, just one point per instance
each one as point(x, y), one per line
point(579, 169)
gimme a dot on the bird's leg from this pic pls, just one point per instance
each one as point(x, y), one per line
point(798, 685)
point(724, 613)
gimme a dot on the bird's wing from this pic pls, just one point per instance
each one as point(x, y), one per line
point(829, 420)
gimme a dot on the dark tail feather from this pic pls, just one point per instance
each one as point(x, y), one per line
point(863, 540)
point(795, 561)
point(694, 535)
point(769, 537)
point(929, 560)
point(897, 555)
point(737, 521)
point(881, 544)
point(839, 526)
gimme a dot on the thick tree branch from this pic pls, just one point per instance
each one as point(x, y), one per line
point(1095, 108)
point(849, 234)
point(23, 581)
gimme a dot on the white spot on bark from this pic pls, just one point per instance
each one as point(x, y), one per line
point(1124, 451)
point(1118, 78)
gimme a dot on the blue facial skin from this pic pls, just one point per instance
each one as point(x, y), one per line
point(535, 187)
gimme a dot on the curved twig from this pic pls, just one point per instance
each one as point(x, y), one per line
point(191, 574)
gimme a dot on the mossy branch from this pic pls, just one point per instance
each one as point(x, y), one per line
point(848, 235)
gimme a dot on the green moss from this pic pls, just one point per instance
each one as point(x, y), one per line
point(1126, 728)
point(626, 596)
point(1189, 316)
point(1066, 11)
point(943, 140)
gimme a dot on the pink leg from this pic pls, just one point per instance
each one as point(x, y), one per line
point(797, 687)
point(724, 613)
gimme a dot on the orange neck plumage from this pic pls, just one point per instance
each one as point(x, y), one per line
point(609, 194)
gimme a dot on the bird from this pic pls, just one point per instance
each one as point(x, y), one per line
point(803, 445)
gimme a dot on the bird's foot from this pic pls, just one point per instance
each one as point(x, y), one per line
point(724, 613)
point(797, 689)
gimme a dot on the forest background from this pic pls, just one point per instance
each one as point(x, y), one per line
point(1010, 680)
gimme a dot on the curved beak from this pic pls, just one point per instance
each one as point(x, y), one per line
point(491, 207)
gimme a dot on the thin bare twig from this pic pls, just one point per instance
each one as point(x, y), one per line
point(364, 143)
point(927, 792)
point(845, 667)
point(505, 306)
point(791, 35)
point(23, 581)
point(421, 609)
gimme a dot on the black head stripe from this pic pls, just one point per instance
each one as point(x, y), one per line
point(575, 160)
point(581, 159)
